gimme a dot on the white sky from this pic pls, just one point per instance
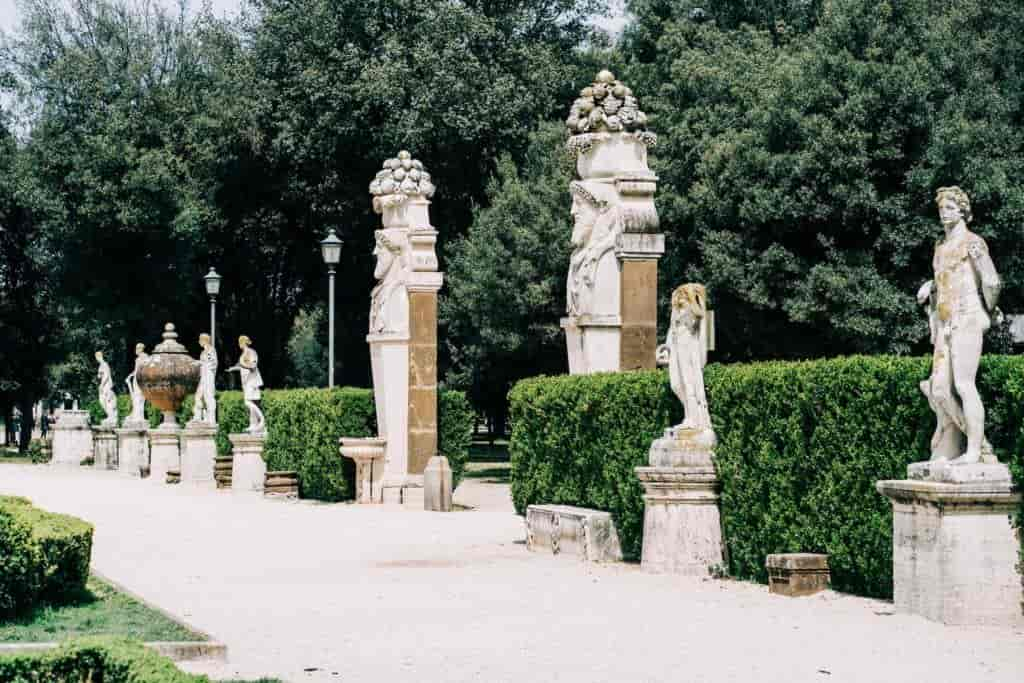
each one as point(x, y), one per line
point(9, 12)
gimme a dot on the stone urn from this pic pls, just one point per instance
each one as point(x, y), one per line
point(168, 376)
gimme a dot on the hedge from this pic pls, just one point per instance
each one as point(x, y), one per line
point(100, 658)
point(43, 556)
point(801, 446)
point(304, 426)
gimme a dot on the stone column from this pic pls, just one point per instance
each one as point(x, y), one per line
point(104, 448)
point(198, 454)
point(165, 452)
point(248, 469)
point(611, 321)
point(955, 547)
point(132, 449)
point(72, 438)
point(403, 331)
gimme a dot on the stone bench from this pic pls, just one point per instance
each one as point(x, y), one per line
point(797, 574)
point(283, 484)
point(568, 530)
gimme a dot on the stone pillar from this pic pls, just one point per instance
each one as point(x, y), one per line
point(437, 485)
point(682, 524)
point(611, 321)
point(198, 454)
point(132, 449)
point(72, 438)
point(165, 453)
point(248, 469)
point(403, 332)
point(104, 448)
point(955, 547)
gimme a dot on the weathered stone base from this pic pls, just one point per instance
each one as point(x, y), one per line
point(587, 534)
point(72, 438)
point(281, 484)
point(682, 525)
point(132, 451)
point(222, 471)
point(164, 453)
point(594, 344)
point(249, 470)
point(955, 551)
point(437, 485)
point(942, 471)
point(104, 448)
point(198, 452)
point(797, 574)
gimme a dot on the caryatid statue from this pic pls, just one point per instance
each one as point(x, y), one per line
point(685, 352)
point(389, 300)
point(204, 407)
point(249, 372)
point(961, 304)
point(106, 392)
point(611, 299)
point(138, 414)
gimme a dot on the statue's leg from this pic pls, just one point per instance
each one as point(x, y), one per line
point(965, 346)
point(947, 439)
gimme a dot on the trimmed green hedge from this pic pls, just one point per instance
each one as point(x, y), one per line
point(801, 446)
point(304, 426)
point(44, 556)
point(102, 658)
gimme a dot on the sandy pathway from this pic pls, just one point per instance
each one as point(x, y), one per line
point(352, 593)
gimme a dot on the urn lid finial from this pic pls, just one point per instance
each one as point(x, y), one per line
point(170, 343)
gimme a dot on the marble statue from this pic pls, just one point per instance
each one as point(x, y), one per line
point(138, 414)
point(597, 226)
point(205, 404)
point(251, 383)
point(389, 300)
point(685, 352)
point(961, 301)
point(106, 392)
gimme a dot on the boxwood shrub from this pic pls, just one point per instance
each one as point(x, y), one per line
point(801, 445)
point(44, 556)
point(99, 658)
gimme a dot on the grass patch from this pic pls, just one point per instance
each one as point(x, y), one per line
point(492, 475)
point(100, 610)
point(482, 451)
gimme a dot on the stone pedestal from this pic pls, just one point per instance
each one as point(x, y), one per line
point(198, 453)
point(132, 449)
point(164, 453)
point(437, 485)
point(249, 470)
point(579, 532)
point(955, 549)
point(682, 524)
point(104, 448)
point(797, 574)
point(369, 457)
point(72, 438)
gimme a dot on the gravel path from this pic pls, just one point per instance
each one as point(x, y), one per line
point(359, 593)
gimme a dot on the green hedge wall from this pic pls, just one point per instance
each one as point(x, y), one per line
point(44, 556)
point(304, 426)
point(801, 446)
point(106, 659)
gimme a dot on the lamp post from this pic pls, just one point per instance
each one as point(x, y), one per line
point(331, 248)
point(213, 289)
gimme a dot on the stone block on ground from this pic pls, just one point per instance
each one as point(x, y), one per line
point(797, 574)
point(198, 453)
point(132, 450)
point(72, 438)
point(437, 485)
point(104, 448)
point(249, 470)
point(587, 534)
point(164, 453)
point(281, 484)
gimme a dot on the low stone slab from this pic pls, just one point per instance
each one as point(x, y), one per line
point(281, 484)
point(569, 530)
point(797, 574)
point(942, 471)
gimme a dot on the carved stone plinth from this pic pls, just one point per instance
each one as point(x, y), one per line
point(72, 438)
point(369, 457)
point(248, 469)
point(164, 452)
point(955, 549)
point(132, 449)
point(587, 534)
point(797, 574)
point(104, 448)
point(437, 485)
point(198, 453)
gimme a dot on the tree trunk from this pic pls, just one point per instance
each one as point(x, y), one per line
point(25, 406)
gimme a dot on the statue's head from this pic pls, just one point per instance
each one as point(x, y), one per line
point(99, 356)
point(387, 251)
point(244, 342)
point(689, 302)
point(590, 201)
point(954, 205)
point(204, 340)
point(140, 349)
